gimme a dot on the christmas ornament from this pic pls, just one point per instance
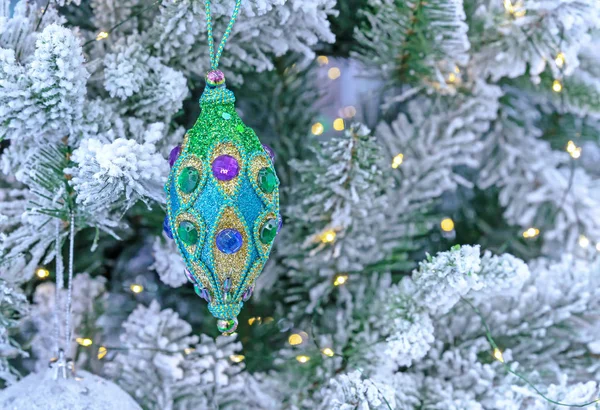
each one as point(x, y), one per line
point(82, 391)
point(222, 198)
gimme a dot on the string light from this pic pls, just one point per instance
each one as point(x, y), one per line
point(573, 150)
point(328, 352)
point(451, 78)
point(237, 358)
point(531, 233)
point(328, 236)
point(584, 242)
point(302, 358)
point(101, 36)
point(560, 60)
point(340, 280)
point(334, 73)
point(447, 225)
point(397, 161)
point(84, 341)
point(136, 288)
point(323, 60)
point(317, 128)
point(189, 350)
point(253, 320)
point(295, 339)
point(498, 355)
point(557, 86)
point(516, 9)
point(102, 351)
point(338, 124)
point(42, 273)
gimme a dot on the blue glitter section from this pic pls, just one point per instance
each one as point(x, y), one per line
point(208, 205)
point(248, 202)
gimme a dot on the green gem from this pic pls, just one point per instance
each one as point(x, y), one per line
point(188, 179)
point(268, 231)
point(267, 181)
point(226, 116)
point(240, 129)
point(187, 232)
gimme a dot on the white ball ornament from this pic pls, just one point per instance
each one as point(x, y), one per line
point(82, 391)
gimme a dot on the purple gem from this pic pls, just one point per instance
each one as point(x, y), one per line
point(167, 227)
point(190, 277)
point(269, 151)
point(225, 168)
point(229, 241)
point(247, 294)
point(206, 295)
point(227, 285)
point(174, 155)
point(280, 224)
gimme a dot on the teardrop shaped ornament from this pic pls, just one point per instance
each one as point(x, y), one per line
point(222, 201)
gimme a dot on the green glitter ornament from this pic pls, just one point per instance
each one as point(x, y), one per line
point(222, 180)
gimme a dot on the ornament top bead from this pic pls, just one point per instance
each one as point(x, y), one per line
point(215, 78)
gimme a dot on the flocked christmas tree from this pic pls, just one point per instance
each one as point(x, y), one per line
point(439, 191)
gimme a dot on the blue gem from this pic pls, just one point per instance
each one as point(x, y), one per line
point(229, 241)
point(167, 227)
point(226, 116)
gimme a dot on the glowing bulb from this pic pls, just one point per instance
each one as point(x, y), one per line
point(338, 124)
point(560, 60)
point(236, 358)
point(328, 236)
point(317, 128)
point(42, 273)
point(322, 60)
point(573, 150)
point(253, 320)
point(102, 351)
point(328, 352)
point(135, 288)
point(447, 225)
point(498, 355)
point(584, 242)
point(531, 233)
point(515, 9)
point(189, 350)
point(295, 339)
point(334, 73)
point(557, 86)
point(101, 36)
point(84, 341)
point(397, 161)
point(302, 358)
point(340, 280)
point(451, 78)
